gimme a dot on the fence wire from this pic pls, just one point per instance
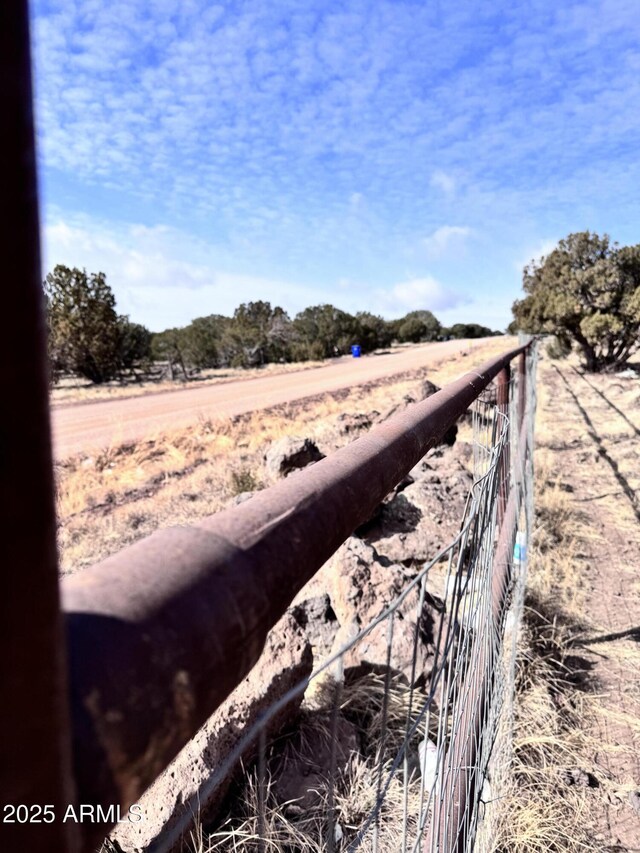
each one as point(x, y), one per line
point(433, 744)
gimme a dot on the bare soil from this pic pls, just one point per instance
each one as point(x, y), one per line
point(588, 431)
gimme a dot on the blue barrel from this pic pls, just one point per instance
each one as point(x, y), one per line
point(355, 350)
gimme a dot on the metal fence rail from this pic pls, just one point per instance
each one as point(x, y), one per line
point(148, 611)
point(434, 766)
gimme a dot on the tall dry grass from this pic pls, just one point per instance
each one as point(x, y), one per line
point(259, 822)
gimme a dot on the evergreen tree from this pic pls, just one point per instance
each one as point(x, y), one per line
point(84, 333)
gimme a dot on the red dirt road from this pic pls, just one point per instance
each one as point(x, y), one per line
point(92, 426)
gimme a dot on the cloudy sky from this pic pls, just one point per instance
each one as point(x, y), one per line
point(381, 155)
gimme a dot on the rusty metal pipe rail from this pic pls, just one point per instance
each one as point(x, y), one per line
point(161, 633)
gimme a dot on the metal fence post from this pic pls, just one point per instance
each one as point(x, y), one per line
point(502, 400)
point(34, 742)
point(522, 386)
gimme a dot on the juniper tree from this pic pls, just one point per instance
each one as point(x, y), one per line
point(587, 292)
point(82, 322)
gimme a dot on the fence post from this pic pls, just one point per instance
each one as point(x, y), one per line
point(502, 400)
point(35, 747)
point(522, 386)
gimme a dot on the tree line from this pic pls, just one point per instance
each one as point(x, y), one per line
point(87, 336)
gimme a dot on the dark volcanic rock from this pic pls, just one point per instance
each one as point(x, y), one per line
point(286, 660)
point(319, 622)
point(364, 585)
point(415, 524)
point(428, 388)
point(290, 454)
point(349, 424)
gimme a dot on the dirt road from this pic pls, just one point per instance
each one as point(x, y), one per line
point(90, 426)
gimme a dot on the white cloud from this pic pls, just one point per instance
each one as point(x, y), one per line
point(415, 294)
point(446, 237)
point(162, 277)
point(443, 181)
point(305, 143)
point(494, 312)
point(534, 253)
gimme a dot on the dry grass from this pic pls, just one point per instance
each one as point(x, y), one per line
point(538, 812)
point(111, 499)
point(356, 786)
point(561, 709)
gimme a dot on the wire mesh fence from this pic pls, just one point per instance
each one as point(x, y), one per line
point(411, 753)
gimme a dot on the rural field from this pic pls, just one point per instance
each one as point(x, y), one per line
point(574, 783)
point(115, 495)
point(320, 467)
point(576, 774)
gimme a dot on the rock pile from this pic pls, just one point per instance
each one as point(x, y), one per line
point(356, 423)
point(364, 584)
point(412, 525)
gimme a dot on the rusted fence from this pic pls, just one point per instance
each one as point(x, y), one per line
point(425, 685)
point(101, 693)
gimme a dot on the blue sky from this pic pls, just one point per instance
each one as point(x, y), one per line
point(382, 156)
